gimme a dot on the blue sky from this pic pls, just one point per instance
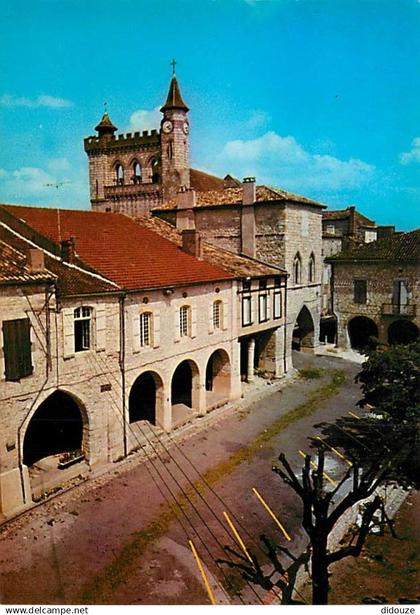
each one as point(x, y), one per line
point(320, 97)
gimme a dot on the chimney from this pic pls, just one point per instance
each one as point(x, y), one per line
point(36, 260)
point(191, 242)
point(185, 204)
point(68, 250)
point(249, 193)
point(185, 198)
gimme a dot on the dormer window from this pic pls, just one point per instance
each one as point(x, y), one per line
point(119, 175)
point(136, 173)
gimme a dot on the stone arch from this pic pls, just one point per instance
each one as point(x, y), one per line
point(58, 425)
point(185, 385)
point(137, 170)
point(362, 332)
point(145, 402)
point(119, 172)
point(297, 268)
point(154, 164)
point(218, 375)
point(402, 332)
point(304, 330)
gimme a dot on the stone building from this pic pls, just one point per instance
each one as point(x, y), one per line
point(133, 172)
point(117, 340)
point(376, 291)
point(269, 224)
point(341, 229)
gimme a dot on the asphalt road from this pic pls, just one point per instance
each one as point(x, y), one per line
point(124, 538)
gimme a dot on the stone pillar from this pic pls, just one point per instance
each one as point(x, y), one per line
point(251, 354)
point(164, 409)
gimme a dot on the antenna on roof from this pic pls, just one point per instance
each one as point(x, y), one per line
point(58, 185)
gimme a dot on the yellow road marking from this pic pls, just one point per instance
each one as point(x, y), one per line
point(270, 512)
point(203, 574)
point(238, 538)
point(331, 480)
point(335, 451)
point(354, 415)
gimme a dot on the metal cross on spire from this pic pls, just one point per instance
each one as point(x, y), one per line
point(173, 64)
point(106, 107)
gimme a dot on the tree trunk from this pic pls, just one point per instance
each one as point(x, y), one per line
point(320, 575)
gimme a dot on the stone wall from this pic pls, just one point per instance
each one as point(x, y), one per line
point(380, 279)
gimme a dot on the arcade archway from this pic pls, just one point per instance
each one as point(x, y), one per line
point(218, 375)
point(402, 332)
point(146, 397)
point(304, 330)
point(56, 427)
point(362, 330)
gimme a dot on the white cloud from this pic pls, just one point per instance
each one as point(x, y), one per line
point(58, 164)
point(283, 162)
point(413, 155)
point(257, 119)
point(8, 100)
point(145, 120)
point(39, 186)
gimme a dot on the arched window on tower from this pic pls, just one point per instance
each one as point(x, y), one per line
point(297, 269)
point(136, 173)
point(311, 268)
point(155, 170)
point(170, 150)
point(119, 174)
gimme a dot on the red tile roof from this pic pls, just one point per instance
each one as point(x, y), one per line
point(120, 249)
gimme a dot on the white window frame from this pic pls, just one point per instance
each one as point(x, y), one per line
point(84, 314)
point(185, 321)
point(277, 304)
point(146, 329)
point(217, 314)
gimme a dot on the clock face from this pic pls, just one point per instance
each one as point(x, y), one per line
point(186, 128)
point(167, 126)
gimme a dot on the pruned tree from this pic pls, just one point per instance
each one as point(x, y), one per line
point(320, 513)
point(380, 446)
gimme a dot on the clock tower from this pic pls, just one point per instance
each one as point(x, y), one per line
point(174, 136)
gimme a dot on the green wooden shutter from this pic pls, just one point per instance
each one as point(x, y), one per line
point(17, 348)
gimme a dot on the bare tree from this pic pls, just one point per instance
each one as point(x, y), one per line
point(320, 514)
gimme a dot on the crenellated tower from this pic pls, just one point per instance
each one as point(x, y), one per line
point(132, 173)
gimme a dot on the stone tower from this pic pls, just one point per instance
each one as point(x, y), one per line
point(174, 138)
point(134, 172)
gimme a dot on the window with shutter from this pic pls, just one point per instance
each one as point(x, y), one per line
point(17, 348)
point(360, 291)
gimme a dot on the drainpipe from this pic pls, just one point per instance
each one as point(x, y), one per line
point(121, 362)
point(285, 328)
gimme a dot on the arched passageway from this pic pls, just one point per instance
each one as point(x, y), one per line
point(146, 397)
point(402, 332)
point(303, 333)
point(328, 330)
point(182, 384)
point(56, 427)
point(218, 375)
point(362, 332)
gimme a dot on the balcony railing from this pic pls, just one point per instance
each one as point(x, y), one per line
point(132, 189)
point(393, 309)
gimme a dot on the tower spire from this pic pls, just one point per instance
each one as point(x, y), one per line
point(174, 98)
